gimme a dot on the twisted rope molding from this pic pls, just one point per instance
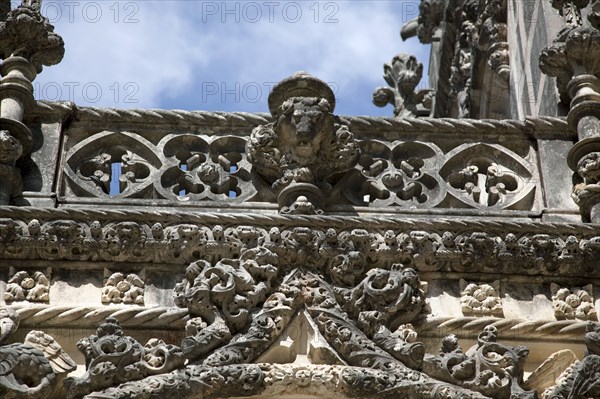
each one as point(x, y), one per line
point(236, 219)
point(361, 125)
point(165, 318)
point(507, 328)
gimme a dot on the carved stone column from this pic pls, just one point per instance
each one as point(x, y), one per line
point(573, 59)
point(27, 42)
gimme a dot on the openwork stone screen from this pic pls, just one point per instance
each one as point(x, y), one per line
point(301, 253)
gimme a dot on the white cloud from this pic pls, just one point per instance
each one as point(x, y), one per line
point(177, 47)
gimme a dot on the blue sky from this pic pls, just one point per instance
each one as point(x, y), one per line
point(222, 55)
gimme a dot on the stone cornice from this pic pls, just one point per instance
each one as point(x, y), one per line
point(441, 245)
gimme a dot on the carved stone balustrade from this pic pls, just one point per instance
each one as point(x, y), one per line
point(493, 168)
point(302, 253)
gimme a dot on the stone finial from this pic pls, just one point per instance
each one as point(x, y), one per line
point(24, 32)
point(431, 14)
point(27, 42)
point(403, 75)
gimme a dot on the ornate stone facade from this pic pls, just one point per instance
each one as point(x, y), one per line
point(302, 253)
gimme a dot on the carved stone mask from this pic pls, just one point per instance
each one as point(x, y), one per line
point(304, 124)
point(10, 148)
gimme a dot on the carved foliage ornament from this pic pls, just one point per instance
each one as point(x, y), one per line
point(33, 369)
point(480, 299)
point(494, 369)
point(24, 32)
point(123, 288)
point(403, 75)
point(32, 287)
point(572, 53)
point(112, 358)
point(424, 250)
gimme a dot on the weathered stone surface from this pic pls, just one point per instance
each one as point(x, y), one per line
point(305, 254)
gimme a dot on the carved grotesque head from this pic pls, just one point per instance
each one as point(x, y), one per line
point(10, 148)
point(302, 106)
point(304, 124)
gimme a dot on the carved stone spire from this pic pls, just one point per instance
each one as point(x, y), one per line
point(573, 59)
point(27, 42)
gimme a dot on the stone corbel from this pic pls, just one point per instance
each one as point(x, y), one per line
point(573, 59)
point(27, 42)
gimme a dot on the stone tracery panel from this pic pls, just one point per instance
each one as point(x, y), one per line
point(194, 169)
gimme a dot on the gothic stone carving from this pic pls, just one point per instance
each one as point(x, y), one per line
point(572, 52)
point(494, 369)
point(307, 149)
point(24, 32)
point(113, 358)
point(12, 184)
point(582, 379)
point(25, 286)
point(480, 299)
point(436, 249)
point(34, 369)
point(574, 303)
point(123, 288)
point(403, 75)
point(221, 297)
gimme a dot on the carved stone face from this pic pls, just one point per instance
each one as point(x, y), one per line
point(304, 124)
point(10, 148)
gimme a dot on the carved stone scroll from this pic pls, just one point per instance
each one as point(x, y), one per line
point(33, 369)
point(113, 358)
